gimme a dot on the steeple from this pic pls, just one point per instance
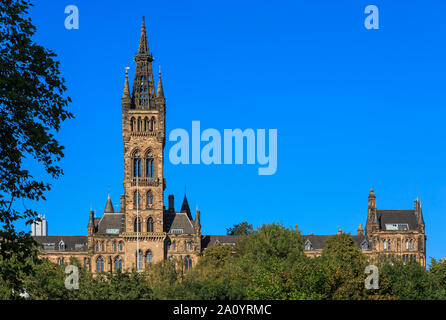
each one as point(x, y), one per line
point(185, 207)
point(143, 44)
point(109, 205)
point(143, 84)
point(160, 92)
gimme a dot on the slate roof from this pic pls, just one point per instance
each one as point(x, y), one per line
point(397, 216)
point(318, 241)
point(110, 221)
point(207, 241)
point(72, 243)
point(180, 221)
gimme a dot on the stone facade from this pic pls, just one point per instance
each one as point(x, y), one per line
point(144, 225)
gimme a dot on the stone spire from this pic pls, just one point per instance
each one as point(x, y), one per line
point(143, 84)
point(109, 205)
point(143, 44)
point(160, 92)
point(126, 99)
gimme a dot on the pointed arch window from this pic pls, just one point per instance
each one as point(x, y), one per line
point(136, 166)
point(148, 257)
point(99, 264)
point(407, 244)
point(149, 166)
point(384, 244)
point(137, 225)
point(187, 263)
point(102, 246)
point(150, 225)
point(115, 247)
point(389, 245)
point(136, 199)
point(121, 245)
point(149, 198)
point(185, 245)
point(174, 245)
point(132, 124)
point(191, 246)
point(168, 244)
point(152, 123)
point(411, 244)
point(118, 263)
point(139, 124)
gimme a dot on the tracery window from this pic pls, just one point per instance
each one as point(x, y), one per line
point(99, 264)
point(150, 224)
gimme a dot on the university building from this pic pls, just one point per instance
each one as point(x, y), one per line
point(144, 231)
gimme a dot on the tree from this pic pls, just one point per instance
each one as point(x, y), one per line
point(345, 265)
point(32, 107)
point(243, 228)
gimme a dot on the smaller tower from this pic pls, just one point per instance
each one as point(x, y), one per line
point(360, 230)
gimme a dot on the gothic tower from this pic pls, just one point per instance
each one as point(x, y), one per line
point(143, 131)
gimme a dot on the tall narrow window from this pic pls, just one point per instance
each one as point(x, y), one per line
point(132, 124)
point(139, 260)
point(150, 225)
point(102, 246)
point(118, 263)
point(121, 245)
point(114, 246)
point(149, 167)
point(168, 244)
point(137, 199)
point(146, 124)
point(388, 245)
point(137, 225)
point(407, 243)
point(384, 244)
point(137, 166)
point(185, 245)
point(99, 264)
point(174, 245)
point(139, 124)
point(187, 263)
point(148, 257)
point(149, 198)
point(97, 245)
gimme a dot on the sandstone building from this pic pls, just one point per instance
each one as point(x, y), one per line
point(144, 231)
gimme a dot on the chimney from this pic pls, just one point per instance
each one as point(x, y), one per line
point(339, 231)
point(171, 204)
point(360, 230)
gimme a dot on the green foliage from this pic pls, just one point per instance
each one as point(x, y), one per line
point(243, 228)
point(32, 108)
point(267, 264)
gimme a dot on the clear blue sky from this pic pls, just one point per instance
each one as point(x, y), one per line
point(354, 108)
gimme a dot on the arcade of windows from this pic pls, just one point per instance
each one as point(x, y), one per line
point(142, 125)
point(149, 165)
point(409, 244)
point(137, 199)
point(149, 225)
point(100, 246)
point(187, 245)
point(115, 265)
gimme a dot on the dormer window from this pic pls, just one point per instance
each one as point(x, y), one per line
point(364, 245)
point(308, 245)
point(61, 246)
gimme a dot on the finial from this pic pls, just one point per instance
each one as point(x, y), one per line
point(159, 70)
point(126, 70)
